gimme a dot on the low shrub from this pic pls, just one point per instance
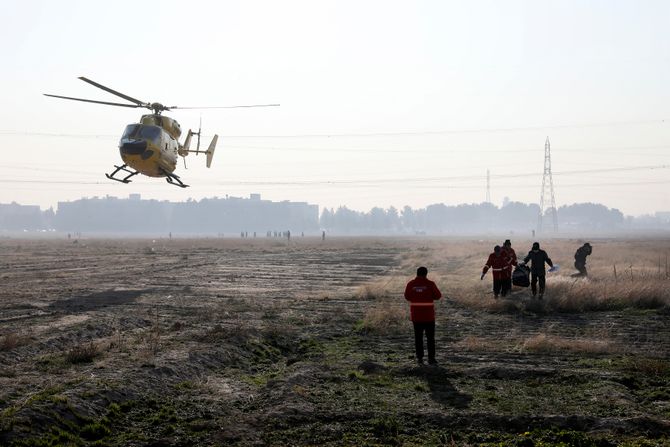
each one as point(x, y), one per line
point(12, 341)
point(545, 343)
point(85, 353)
point(384, 319)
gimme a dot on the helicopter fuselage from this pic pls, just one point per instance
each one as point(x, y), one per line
point(151, 146)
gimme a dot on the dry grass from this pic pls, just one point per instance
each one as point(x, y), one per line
point(220, 333)
point(384, 319)
point(649, 366)
point(478, 344)
point(455, 266)
point(386, 288)
point(642, 278)
point(389, 314)
point(85, 353)
point(12, 341)
point(569, 295)
point(545, 343)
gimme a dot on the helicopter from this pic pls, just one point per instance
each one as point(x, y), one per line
point(151, 147)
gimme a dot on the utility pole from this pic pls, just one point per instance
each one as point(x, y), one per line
point(547, 181)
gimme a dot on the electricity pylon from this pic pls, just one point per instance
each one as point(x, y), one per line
point(547, 181)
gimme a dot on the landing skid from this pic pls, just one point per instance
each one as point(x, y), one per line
point(123, 168)
point(174, 179)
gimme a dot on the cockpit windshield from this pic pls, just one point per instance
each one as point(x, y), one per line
point(131, 131)
point(139, 131)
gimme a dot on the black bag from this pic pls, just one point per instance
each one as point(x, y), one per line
point(521, 276)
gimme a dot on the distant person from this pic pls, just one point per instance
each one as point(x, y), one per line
point(323, 235)
point(537, 260)
point(421, 292)
point(288, 235)
point(509, 252)
point(498, 262)
point(580, 260)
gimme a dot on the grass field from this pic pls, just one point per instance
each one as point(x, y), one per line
point(265, 342)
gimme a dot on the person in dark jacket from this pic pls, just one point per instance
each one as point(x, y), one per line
point(421, 292)
point(580, 260)
point(537, 260)
point(498, 262)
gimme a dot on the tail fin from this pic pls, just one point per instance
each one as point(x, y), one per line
point(210, 151)
point(184, 150)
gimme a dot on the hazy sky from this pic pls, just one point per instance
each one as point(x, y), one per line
point(382, 102)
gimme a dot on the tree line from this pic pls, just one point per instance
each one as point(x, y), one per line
point(470, 219)
point(231, 216)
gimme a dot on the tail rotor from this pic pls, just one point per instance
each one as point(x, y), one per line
point(185, 149)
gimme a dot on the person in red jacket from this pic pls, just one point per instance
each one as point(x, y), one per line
point(509, 252)
point(499, 263)
point(421, 292)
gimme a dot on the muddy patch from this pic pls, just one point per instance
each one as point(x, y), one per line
point(98, 300)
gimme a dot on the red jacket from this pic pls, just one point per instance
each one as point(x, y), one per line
point(500, 266)
point(421, 292)
point(511, 254)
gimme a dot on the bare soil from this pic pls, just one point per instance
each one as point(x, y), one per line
point(265, 342)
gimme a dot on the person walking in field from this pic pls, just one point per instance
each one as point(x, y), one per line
point(580, 260)
point(537, 260)
point(498, 262)
point(421, 293)
point(509, 252)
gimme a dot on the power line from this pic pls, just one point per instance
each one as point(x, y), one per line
point(379, 181)
point(460, 131)
point(381, 134)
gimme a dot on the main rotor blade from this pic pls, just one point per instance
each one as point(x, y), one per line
point(114, 92)
point(226, 107)
point(93, 101)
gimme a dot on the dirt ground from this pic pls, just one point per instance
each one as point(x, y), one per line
point(269, 342)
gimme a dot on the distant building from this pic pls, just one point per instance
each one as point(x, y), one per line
point(17, 217)
point(207, 216)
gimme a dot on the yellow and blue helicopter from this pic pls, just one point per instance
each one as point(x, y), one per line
point(151, 147)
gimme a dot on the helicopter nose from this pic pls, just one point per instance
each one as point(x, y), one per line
point(133, 147)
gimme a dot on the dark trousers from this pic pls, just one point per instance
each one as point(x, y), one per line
point(582, 269)
point(429, 328)
point(534, 279)
point(501, 286)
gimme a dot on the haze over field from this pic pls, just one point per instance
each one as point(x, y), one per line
point(383, 103)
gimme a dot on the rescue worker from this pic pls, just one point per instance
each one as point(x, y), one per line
point(511, 254)
point(499, 264)
point(421, 292)
point(537, 271)
point(580, 260)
